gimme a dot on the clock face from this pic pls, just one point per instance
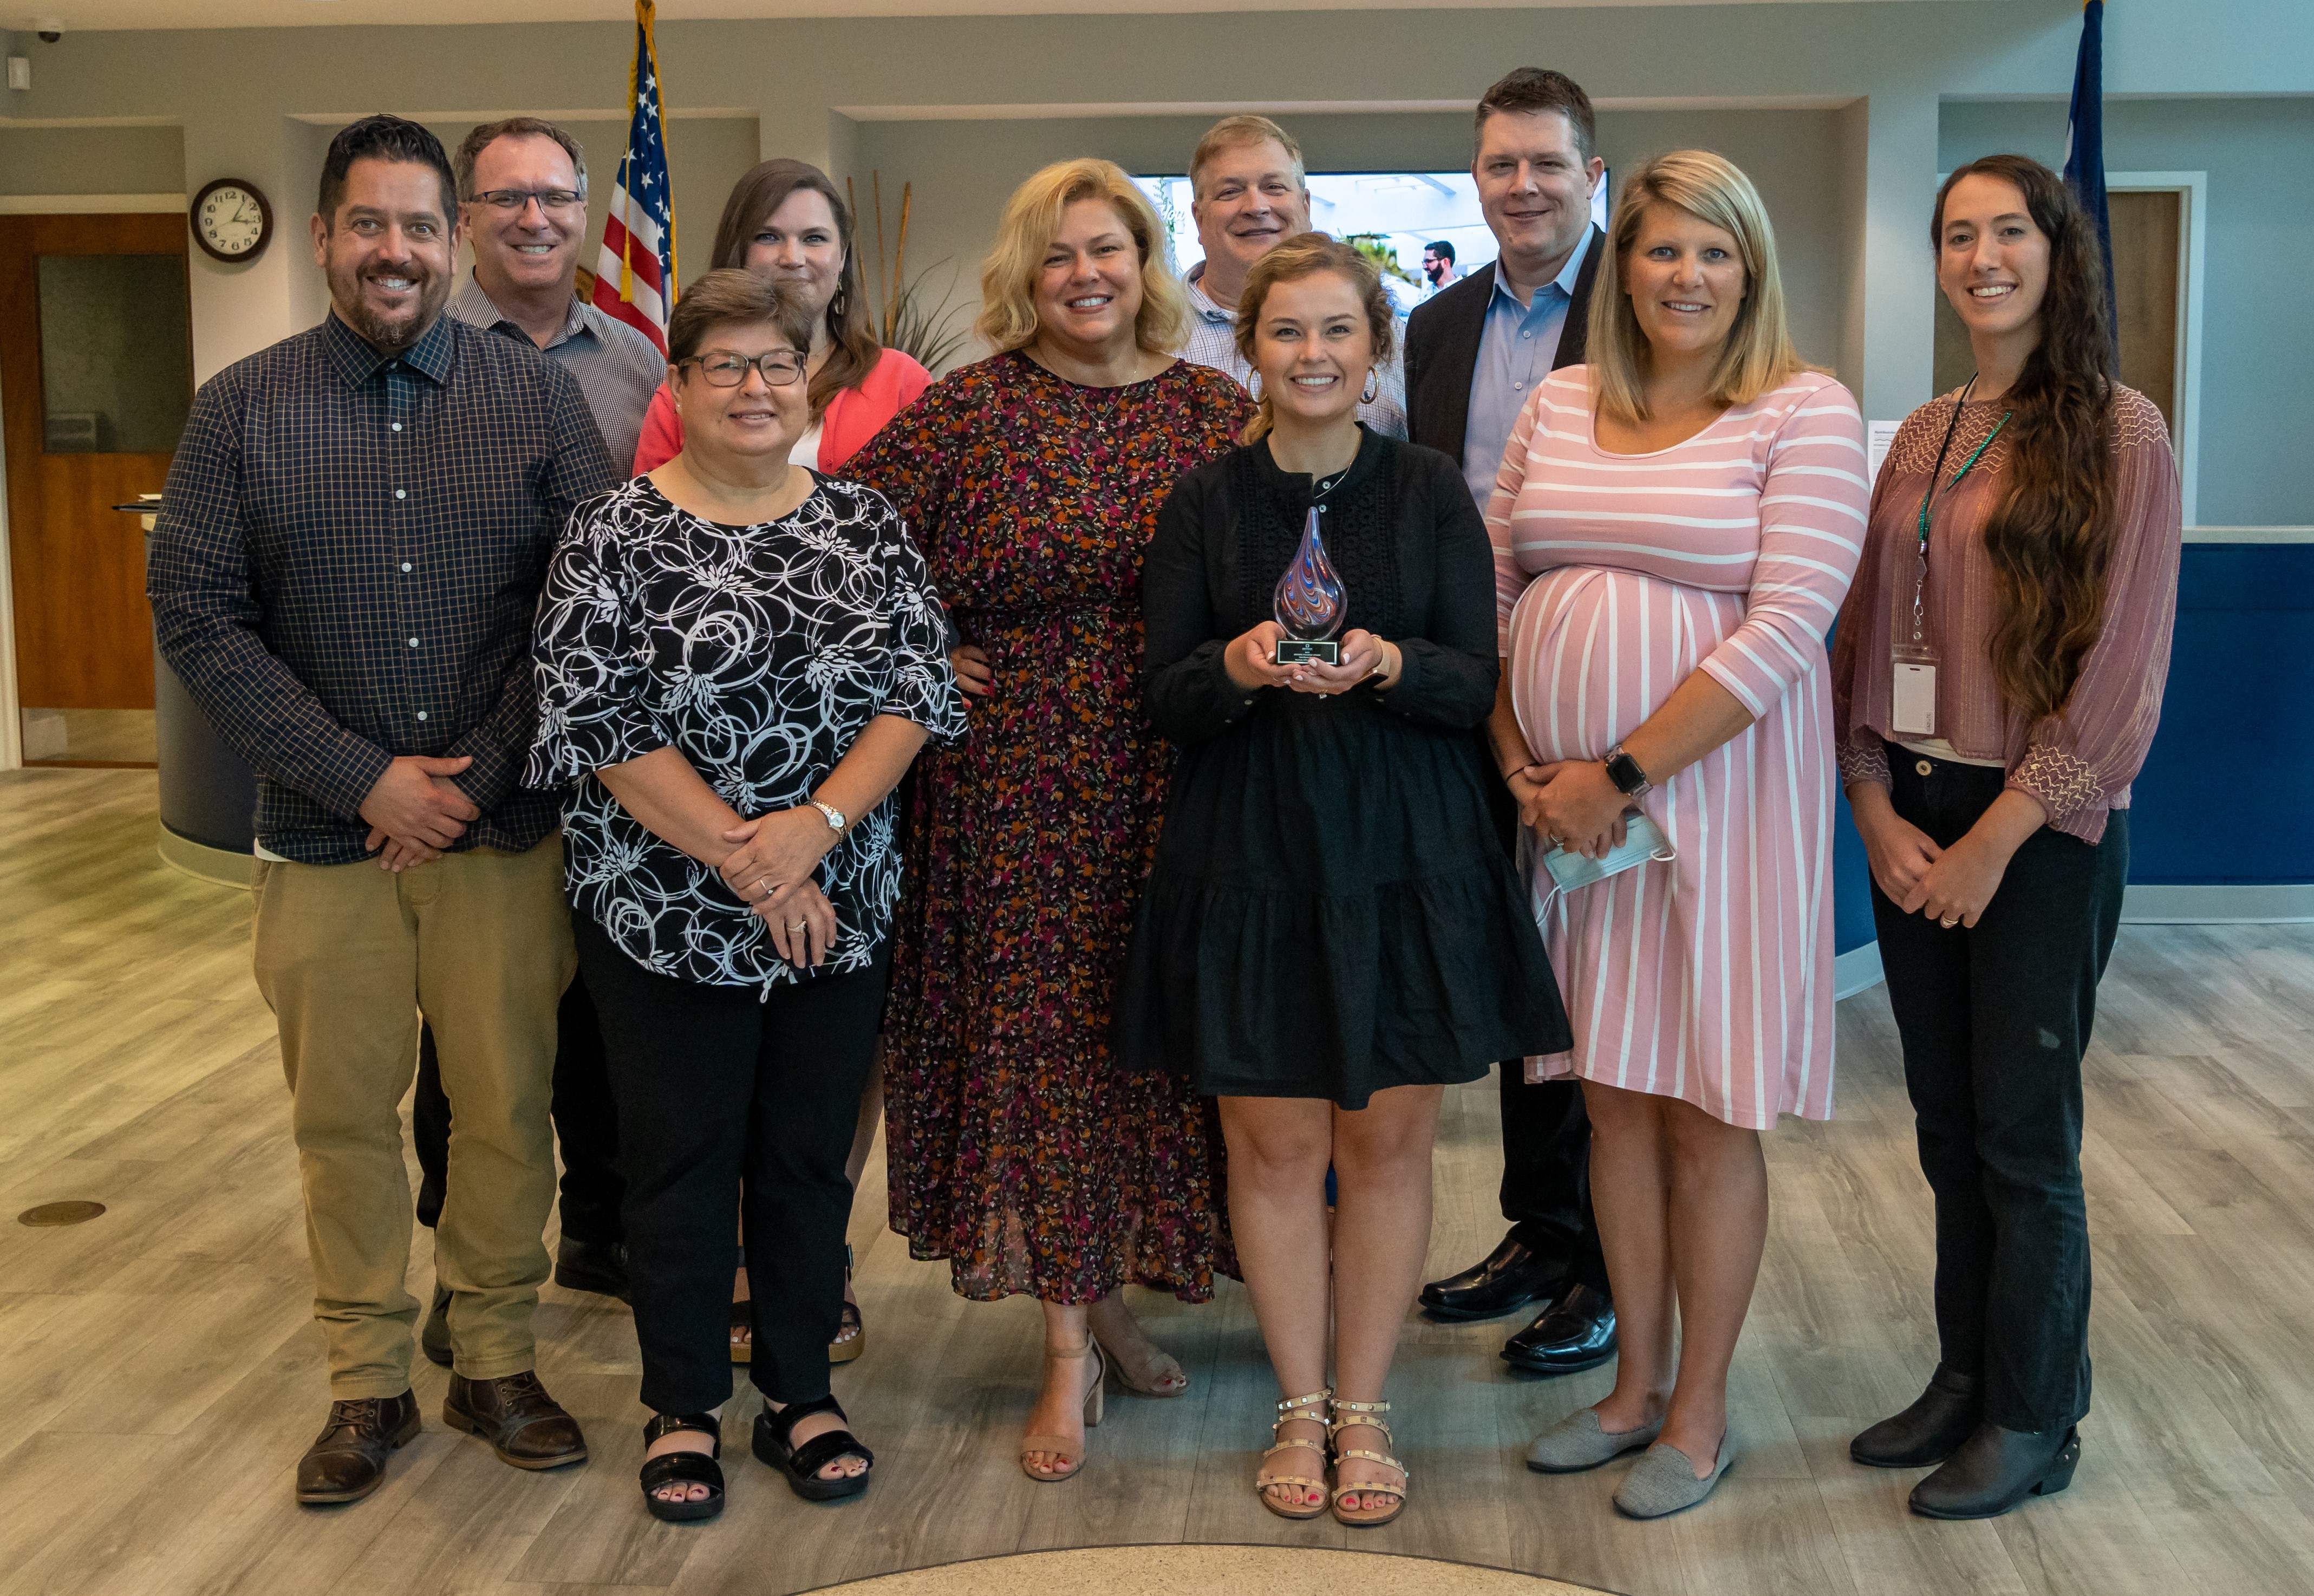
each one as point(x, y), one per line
point(232, 220)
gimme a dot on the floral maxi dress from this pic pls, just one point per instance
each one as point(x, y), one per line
point(1018, 1147)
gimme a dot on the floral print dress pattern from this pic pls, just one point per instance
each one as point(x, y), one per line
point(1018, 1148)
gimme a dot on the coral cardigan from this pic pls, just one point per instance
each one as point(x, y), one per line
point(851, 418)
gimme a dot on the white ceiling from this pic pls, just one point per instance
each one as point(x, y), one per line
point(99, 14)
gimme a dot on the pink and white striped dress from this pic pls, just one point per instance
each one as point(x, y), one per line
point(1706, 978)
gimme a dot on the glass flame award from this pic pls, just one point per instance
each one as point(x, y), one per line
point(1309, 603)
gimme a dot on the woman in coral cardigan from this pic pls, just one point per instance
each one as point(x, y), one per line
point(785, 221)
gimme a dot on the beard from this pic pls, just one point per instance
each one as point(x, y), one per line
point(396, 329)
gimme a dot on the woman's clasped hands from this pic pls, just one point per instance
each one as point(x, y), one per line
point(1252, 661)
point(771, 870)
point(1572, 803)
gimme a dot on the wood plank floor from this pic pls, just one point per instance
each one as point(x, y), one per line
point(159, 1373)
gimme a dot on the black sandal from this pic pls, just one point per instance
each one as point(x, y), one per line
point(686, 1469)
point(802, 1464)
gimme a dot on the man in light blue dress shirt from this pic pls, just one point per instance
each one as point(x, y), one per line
point(1475, 353)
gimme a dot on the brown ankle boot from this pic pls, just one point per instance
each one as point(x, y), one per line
point(523, 1425)
point(347, 1461)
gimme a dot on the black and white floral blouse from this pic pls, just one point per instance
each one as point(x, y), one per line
point(761, 653)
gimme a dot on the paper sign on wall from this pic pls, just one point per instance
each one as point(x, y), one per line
point(1877, 437)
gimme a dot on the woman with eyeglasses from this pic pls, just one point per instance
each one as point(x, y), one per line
point(738, 659)
point(785, 221)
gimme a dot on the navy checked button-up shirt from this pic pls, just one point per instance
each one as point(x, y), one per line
point(347, 559)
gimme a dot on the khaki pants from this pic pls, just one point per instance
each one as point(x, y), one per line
point(347, 956)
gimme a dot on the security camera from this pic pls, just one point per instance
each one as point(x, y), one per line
point(51, 28)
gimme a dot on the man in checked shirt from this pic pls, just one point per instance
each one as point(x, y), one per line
point(350, 547)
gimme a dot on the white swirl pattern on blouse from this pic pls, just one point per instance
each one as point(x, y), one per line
point(758, 652)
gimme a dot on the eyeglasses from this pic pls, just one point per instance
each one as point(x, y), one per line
point(513, 199)
point(724, 369)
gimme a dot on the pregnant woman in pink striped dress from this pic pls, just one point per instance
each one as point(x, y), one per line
point(1674, 526)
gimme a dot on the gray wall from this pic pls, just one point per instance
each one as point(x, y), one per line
point(2258, 330)
point(92, 160)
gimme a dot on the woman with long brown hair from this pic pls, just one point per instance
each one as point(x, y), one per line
point(785, 221)
point(1999, 675)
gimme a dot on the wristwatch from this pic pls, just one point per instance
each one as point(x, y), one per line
point(1624, 772)
point(836, 821)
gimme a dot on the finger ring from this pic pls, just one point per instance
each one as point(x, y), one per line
point(796, 925)
point(1949, 924)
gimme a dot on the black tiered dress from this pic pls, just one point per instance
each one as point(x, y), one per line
point(1330, 910)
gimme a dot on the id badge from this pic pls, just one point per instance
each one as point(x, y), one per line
point(1912, 696)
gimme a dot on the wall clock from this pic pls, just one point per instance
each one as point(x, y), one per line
point(232, 220)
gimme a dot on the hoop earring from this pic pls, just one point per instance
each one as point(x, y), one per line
point(1372, 390)
point(1253, 386)
point(842, 301)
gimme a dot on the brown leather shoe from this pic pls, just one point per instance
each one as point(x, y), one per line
point(523, 1425)
point(347, 1461)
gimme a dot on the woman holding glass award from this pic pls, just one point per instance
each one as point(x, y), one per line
point(1674, 525)
point(1330, 932)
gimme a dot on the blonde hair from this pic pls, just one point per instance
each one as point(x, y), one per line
point(1232, 133)
point(1758, 354)
point(1008, 276)
point(1308, 255)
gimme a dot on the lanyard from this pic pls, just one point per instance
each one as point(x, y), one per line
point(1920, 577)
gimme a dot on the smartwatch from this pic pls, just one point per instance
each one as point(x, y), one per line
point(1624, 772)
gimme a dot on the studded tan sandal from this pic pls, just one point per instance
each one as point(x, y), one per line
point(1288, 1411)
point(1366, 1518)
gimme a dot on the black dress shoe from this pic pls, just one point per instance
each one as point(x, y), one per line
point(597, 1267)
point(347, 1461)
point(1506, 1281)
point(1994, 1469)
point(523, 1425)
point(1575, 1333)
point(1928, 1432)
point(434, 1337)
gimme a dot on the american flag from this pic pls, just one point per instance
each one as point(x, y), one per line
point(635, 278)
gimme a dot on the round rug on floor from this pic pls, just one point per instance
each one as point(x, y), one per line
point(1223, 1570)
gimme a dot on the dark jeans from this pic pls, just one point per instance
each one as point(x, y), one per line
point(584, 1122)
point(1547, 1172)
point(1994, 1020)
point(1546, 1192)
point(716, 1085)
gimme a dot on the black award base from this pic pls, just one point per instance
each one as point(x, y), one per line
point(1308, 651)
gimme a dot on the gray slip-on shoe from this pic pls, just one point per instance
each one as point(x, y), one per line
point(1576, 1442)
point(1664, 1482)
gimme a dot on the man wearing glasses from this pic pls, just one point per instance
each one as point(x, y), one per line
point(522, 187)
point(522, 193)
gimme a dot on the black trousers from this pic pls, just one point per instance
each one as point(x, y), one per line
point(1994, 1020)
point(1546, 1192)
point(717, 1086)
point(584, 1124)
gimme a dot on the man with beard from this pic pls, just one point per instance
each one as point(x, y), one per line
point(351, 545)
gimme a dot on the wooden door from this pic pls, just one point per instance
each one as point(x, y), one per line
point(95, 379)
point(2147, 226)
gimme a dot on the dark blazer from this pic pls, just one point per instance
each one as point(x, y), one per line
point(1442, 350)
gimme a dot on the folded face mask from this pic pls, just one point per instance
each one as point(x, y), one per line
point(1642, 842)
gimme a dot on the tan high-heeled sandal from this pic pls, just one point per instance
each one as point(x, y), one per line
point(1061, 1446)
point(1367, 1518)
point(1160, 1368)
point(1287, 1411)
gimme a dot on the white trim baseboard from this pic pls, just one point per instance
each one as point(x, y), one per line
point(2283, 903)
point(1855, 971)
